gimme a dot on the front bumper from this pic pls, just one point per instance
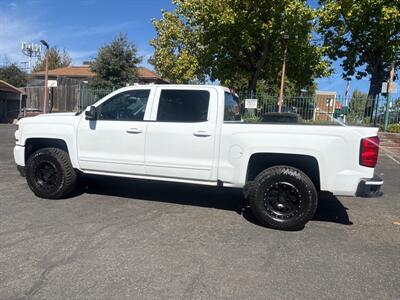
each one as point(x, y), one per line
point(19, 158)
point(370, 187)
point(21, 170)
point(19, 155)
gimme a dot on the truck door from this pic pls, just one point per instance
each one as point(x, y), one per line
point(180, 141)
point(115, 141)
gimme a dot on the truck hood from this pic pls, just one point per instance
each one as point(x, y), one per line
point(65, 114)
point(53, 119)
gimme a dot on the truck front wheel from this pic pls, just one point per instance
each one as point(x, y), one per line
point(283, 197)
point(50, 174)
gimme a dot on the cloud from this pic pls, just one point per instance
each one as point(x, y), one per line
point(14, 31)
point(28, 21)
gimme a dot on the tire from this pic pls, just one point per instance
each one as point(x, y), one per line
point(50, 174)
point(283, 197)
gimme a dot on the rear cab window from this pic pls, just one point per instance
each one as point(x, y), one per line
point(185, 106)
point(232, 108)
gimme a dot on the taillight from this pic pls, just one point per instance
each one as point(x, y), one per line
point(369, 151)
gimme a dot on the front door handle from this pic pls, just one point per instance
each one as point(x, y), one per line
point(134, 130)
point(201, 133)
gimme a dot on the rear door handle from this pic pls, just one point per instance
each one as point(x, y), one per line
point(134, 130)
point(201, 133)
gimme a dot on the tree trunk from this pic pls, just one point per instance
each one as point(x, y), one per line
point(252, 87)
point(376, 83)
point(377, 77)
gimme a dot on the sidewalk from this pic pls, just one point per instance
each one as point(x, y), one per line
point(390, 144)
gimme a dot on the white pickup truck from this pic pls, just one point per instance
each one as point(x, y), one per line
point(193, 134)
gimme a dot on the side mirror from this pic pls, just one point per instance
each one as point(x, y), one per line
point(91, 114)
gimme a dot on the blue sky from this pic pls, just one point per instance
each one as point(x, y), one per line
point(81, 27)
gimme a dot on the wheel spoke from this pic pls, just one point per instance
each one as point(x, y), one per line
point(282, 200)
point(46, 175)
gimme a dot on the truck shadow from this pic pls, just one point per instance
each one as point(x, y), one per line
point(330, 209)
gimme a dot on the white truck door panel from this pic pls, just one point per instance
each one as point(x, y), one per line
point(115, 141)
point(180, 140)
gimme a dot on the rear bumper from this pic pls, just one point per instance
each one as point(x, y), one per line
point(370, 187)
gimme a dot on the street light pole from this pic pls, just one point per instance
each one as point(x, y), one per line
point(46, 76)
point(280, 99)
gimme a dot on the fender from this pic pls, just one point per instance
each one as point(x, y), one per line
point(64, 132)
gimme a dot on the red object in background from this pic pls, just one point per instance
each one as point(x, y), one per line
point(369, 151)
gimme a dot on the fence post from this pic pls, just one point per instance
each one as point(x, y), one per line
point(387, 112)
point(20, 104)
point(314, 97)
point(79, 102)
point(375, 114)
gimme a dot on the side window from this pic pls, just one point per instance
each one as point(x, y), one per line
point(232, 108)
point(126, 106)
point(183, 106)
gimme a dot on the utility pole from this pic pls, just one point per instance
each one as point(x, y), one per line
point(280, 99)
point(389, 94)
point(46, 76)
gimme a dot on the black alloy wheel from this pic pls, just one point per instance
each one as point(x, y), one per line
point(283, 197)
point(50, 174)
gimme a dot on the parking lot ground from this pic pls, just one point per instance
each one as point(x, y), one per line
point(128, 239)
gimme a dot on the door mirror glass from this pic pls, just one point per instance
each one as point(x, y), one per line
point(91, 114)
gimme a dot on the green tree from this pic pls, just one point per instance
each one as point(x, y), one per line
point(13, 75)
point(57, 59)
point(116, 64)
point(365, 34)
point(234, 41)
point(357, 105)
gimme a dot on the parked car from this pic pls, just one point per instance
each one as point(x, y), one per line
point(191, 134)
point(284, 117)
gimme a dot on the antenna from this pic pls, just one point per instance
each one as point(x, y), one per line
point(31, 50)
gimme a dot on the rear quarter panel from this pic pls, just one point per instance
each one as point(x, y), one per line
point(335, 148)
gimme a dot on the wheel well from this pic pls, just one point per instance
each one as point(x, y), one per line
point(33, 144)
point(261, 161)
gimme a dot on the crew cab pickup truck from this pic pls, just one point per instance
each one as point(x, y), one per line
point(194, 134)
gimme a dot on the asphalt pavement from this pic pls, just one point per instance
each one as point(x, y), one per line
point(129, 239)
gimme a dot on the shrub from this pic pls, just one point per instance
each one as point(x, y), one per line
point(394, 128)
point(247, 118)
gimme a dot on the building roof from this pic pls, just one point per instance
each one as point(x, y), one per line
point(318, 92)
point(6, 87)
point(85, 72)
point(72, 71)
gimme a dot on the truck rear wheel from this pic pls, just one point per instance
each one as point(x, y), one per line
point(283, 197)
point(50, 174)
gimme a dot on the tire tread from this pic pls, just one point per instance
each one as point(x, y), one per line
point(69, 173)
point(255, 185)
